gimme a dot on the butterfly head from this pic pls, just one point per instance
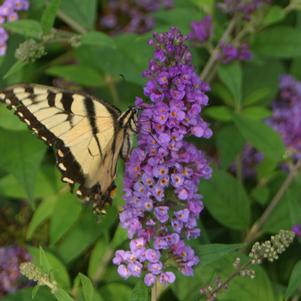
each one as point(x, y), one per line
point(129, 118)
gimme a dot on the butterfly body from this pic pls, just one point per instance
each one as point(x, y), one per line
point(87, 134)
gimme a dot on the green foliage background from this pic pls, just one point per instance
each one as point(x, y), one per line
point(42, 212)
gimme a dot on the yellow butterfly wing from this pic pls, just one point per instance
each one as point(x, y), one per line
point(86, 133)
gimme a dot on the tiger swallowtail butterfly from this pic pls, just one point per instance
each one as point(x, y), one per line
point(87, 135)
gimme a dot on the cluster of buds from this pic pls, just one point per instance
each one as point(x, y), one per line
point(271, 249)
point(29, 51)
point(34, 273)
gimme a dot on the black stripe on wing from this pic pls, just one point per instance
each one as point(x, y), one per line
point(69, 167)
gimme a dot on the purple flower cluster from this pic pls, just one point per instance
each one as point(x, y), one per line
point(201, 31)
point(8, 13)
point(10, 260)
point(229, 53)
point(243, 7)
point(131, 15)
point(163, 173)
point(286, 112)
point(297, 230)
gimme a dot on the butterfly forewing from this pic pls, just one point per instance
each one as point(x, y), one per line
point(86, 133)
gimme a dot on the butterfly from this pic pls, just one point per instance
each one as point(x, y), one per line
point(87, 134)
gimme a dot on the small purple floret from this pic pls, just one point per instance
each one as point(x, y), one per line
point(229, 53)
point(201, 31)
point(297, 230)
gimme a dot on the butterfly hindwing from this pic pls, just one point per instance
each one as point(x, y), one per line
point(87, 134)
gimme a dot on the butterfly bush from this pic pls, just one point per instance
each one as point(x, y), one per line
point(10, 259)
point(230, 52)
point(163, 173)
point(201, 32)
point(286, 112)
point(131, 15)
point(8, 13)
point(246, 8)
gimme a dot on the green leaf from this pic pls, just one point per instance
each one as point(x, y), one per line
point(231, 76)
point(287, 212)
point(81, 12)
point(26, 295)
point(275, 14)
point(87, 286)
point(295, 280)
point(21, 155)
point(35, 291)
point(57, 269)
point(221, 91)
point(207, 6)
point(80, 74)
point(261, 137)
point(98, 255)
point(10, 121)
point(49, 15)
point(229, 151)
point(119, 237)
point(80, 237)
point(266, 168)
point(62, 295)
point(256, 96)
point(256, 113)
point(116, 291)
point(17, 66)
point(212, 252)
point(221, 113)
point(295, 68)
point(28, 28)
point(261, 195)
point(184, 17)
point(43, 212)
point(261, 81)
point(44, 187)
point(227, 200)
point(62, 220)
point(140, 292)
point(294, 204)
point(97, 38)
point(279, 42)
point(44, 262)
point(124, 62)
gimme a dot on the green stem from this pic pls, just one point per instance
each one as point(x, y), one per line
point(73, 24)
point(214, 55)
point(255, 230)
point(112, 87)
point(225, 283)
point(154, 292)
point(106, 259)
